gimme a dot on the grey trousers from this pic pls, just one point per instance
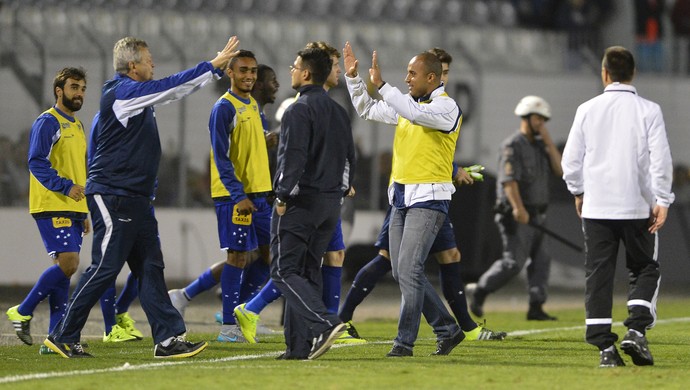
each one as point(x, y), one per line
point(522, 246)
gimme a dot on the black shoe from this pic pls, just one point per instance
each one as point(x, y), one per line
point(636, 347)
point(443, 347)
point(399, 351)
point(610, 359)
point(65, 350)
point(283, 356)
point(178, 348)
point(325, 340)
point(22, 324)
point(477, 297)
point(536, 313)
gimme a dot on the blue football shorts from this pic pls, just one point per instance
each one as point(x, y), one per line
point(337, 243)
point(61, 234)
point(243, 233)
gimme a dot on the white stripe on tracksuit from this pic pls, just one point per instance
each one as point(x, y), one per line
point(104, 245)
point(285, 281)
point(651, 305)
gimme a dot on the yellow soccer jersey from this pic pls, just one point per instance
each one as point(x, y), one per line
point(423, 155)
point(239, 158)
point(67, 156)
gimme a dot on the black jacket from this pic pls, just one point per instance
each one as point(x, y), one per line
point(316, 154)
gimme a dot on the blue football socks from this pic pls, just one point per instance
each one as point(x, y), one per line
point(204, 282)
point(454, 292)
point(108, 308)
point(230, 285)
point(363, 284)
point(128, 294)
point(331, 287)
point(49, 279)
point(253, 277)
point(267, 295)
point(58, 303)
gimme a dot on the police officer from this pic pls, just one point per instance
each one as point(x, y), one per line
point(527, 160)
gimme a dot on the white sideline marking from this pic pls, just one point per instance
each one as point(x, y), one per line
point(545, 330)
point(46, 375)
point(126, 367)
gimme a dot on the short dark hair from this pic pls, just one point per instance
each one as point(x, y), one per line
point(67, 73)
point(241, 54)
point(332, 51)
point(442, 55)
point(431, 63)
point(318, 62)
point(620, 64)
point(262, 71)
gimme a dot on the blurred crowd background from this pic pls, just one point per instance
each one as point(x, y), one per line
point(512, 35)
point(557, 43)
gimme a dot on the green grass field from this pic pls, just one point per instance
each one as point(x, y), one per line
point(535, 355)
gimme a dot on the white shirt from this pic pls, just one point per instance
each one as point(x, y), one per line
point(617, 153)
point(442, 113)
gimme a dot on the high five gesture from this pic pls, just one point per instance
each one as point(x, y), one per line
point(224, 56)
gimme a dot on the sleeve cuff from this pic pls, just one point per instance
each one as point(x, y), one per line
point(353, 80)
point(217, 73)
point(65, 191)
point(663, 203)
point(385, 88)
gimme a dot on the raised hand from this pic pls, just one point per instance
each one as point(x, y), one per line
point(349, 61)
point(375, 72)
point(224, 56)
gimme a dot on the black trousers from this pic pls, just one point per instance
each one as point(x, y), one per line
point(298, 241)
point(602, 238)
point(124, 230)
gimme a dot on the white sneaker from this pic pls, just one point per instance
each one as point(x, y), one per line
point(231, 334)
point(179, 300)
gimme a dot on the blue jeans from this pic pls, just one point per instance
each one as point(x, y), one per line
point(411, 233)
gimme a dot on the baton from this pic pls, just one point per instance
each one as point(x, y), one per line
point(556, 236)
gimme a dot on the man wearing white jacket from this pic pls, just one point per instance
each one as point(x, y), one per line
point(617, 164)
point(427, 124)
